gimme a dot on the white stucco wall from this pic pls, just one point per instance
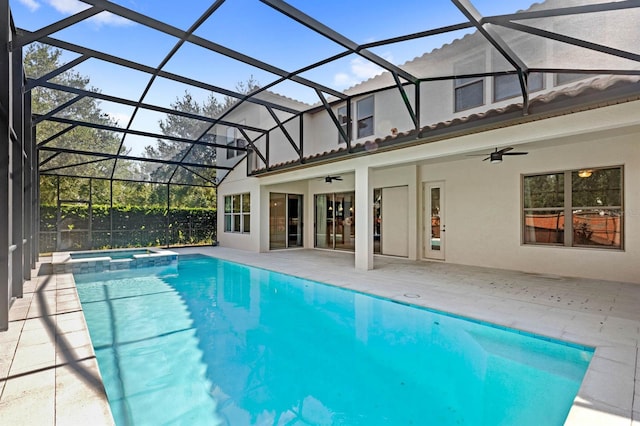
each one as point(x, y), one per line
point(236, 182)
point(483, 201)
point(484, 217)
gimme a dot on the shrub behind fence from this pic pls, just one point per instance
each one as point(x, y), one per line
point(128, 226)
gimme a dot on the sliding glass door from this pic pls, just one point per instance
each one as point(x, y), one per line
point(335, 221)
point(285, 221)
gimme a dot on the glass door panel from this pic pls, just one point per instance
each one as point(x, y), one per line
point(435, 219)
point(434, 226)
point(377, 220)
point(277, 221)
point(324, 221)
point(294, 219)
point(345, 221)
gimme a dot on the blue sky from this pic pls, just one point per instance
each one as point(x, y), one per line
point(250, 27)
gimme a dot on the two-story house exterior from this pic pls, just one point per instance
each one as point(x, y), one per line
point(417, 179)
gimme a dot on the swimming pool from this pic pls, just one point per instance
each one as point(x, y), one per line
point(79, 262)
point(113, 254)
point(215, 342)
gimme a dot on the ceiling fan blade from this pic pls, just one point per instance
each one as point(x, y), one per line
point(503, 150)
point(515, 153)
point(485, 159)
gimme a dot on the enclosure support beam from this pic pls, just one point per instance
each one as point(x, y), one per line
point(35, 202)
point(111, 213)
point(166, 227)
point(5, 181)
point(17, 175)
point(344, 135)
point(29, 229)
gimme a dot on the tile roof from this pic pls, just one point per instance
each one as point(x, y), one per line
point(586, 95)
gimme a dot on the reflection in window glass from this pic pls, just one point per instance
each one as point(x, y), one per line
point(365, 117)
point(236, 213)
point(435, 219)
point(564, 78)
point(343, 120)
point(544, 227)
point(231, 142)
point(597, 207)
point(469, 91)
point(592, 214)
point(469, 95)
point(277, 221)
point(246, 203)
point(508, 86)
point(544, 191)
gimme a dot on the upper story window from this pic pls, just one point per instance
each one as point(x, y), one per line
point(344, 122)
point(508, 86)
point(231, 141)
point(234, 139)
point(469, 91)
point(576, 208)
point(564, 78)
point(365, 109)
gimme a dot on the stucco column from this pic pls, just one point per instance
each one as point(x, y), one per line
point(364, 219)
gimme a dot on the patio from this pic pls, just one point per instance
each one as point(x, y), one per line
point(49, 375)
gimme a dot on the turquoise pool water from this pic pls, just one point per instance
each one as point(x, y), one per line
point(219, 343)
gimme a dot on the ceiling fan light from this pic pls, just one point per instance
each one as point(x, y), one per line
point(496, 160)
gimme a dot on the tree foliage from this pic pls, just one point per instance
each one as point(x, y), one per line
point(41, 59)
point(192, 129)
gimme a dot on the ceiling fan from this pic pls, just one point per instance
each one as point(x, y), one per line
point(329, 179)
point(496, 156)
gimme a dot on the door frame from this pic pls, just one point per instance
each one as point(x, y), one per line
point(428, 251)
point(287, 220)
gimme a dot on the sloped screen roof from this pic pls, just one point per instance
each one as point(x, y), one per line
point(143, 57)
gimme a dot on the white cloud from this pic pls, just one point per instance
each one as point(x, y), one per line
point(32, 5)
point(70, 7)
point(363, 69)
point(107, 18)
point(359, 70)
point(343, 79)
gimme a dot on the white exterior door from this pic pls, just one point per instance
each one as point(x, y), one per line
point(434, 241)
point(395, 221)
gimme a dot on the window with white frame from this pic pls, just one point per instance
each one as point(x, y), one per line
point(575, 208)
point(469, 91)
point(564, 78)
point(237, 213)
point(508, 86)
point(234, 139)
point(365, 111)
point(240, 142)
point(231, 141)
point(344, 122)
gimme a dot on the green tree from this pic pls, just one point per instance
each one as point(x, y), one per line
point(188, 128)
point(39, 60)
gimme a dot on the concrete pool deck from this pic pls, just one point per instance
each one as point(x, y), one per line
point(49, 375)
